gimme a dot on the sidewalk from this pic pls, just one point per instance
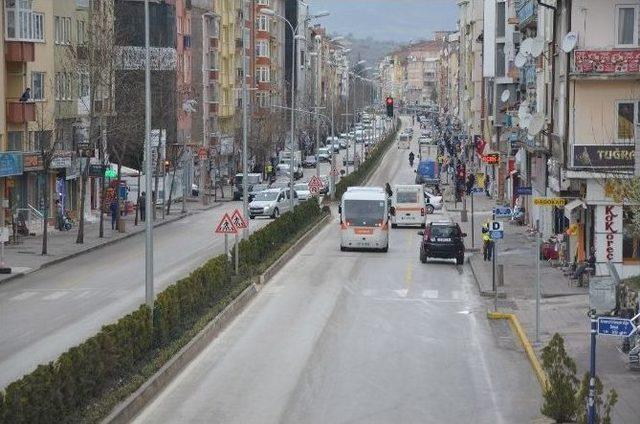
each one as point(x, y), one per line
point(25, 257)
point(563, 309)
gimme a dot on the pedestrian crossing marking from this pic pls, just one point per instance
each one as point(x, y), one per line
point(55, 295)
point(23, 295)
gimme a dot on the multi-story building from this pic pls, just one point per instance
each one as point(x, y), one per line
point(28, 62)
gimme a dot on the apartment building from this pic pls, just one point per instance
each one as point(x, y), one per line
point(28, 62)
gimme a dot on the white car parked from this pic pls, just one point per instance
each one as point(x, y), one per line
point(272, 203)
point(432, 202)
point(303, 192)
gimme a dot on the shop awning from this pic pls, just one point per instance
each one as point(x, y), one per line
point(569, 207)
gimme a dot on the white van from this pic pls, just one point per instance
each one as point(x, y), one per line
point(364, 219)
point(407, 206)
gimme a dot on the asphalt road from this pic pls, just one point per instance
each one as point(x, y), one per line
point(358, 338)
point(45, 313)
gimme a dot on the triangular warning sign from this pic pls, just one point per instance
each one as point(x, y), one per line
point(238, 221)
point(226, 226)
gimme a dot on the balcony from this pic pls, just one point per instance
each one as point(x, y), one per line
point(20, 112)
point(20, 51)
point(526, 11)
point(607, 63)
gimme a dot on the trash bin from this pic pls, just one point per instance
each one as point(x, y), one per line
point(121, 226)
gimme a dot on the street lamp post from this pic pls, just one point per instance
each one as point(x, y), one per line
point(245, 143)
point(318, 59)
point(149, 204)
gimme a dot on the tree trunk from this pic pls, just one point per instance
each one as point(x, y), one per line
point(45, 219)
point(118, 218)
point(173, 178)
point(102, 191)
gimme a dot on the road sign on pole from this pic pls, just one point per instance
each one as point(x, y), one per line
point(614, 326)
point(239, 222)
point(496, 230)
point(315, 185)
point(502, 212)
point(226, 226)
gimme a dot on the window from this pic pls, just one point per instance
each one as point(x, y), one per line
point(627, 26)
point(500, 60)
point(262, 98)
point(263, 74)
point(630, 239)
point(62, 30)
point(628, 119)
point(63, 86)
point(500, 19)
point(263, 23)
point(81, 34)
point(262, 48)
point(21, 22)
point(37, 85)
point(83, 85)
point(14, 141)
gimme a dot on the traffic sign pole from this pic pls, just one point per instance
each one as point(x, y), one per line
point(538, 237)
point(236, 255)
point(473, 233)
point(591, 407)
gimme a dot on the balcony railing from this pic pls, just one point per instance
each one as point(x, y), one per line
point(607, 62)
point(526, 11)
point(20, 51)
point(20, 112)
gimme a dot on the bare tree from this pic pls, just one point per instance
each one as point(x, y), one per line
point(46, 145)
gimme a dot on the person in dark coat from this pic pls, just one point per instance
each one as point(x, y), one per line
point(142, 206)
point(114, 213)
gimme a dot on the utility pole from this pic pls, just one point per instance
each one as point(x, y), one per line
point(149, 296)
point(245, 144)
point(318, 60)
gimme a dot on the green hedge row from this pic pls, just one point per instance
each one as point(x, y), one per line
point(61, 390)
point(364, 170)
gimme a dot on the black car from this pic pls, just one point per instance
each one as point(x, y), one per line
point(442, 240)
point(309, 162)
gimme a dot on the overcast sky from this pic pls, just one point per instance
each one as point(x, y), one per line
point(396, 20)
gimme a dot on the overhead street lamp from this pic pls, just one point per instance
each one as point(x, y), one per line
point(148, 246)
point(295, 36)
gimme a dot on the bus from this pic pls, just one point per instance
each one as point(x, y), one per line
point(364, 219)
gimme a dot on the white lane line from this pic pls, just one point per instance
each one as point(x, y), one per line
point(55, 295)
point(402, 292)
point(456, 294)
point(23, 295)
point(430, 294)
point(84, 294)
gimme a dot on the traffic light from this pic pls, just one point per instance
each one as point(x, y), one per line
point(390, 107)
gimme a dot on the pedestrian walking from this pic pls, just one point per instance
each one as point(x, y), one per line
point(487, 184)
point(59, 215)
point(114, 213)
point(142, 206)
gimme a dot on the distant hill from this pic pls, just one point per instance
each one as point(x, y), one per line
point(368, 49)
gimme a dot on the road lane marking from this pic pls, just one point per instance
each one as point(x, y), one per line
point(402, 292)
point(84, 294)
point(24, 295)
point(55, 295)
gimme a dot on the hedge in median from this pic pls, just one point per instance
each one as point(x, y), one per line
point(373, 158)
point(61, 390)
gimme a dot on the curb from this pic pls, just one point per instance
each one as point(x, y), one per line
point(526, 344)
point(484, 293)
point(128, 409)
point(101, 245)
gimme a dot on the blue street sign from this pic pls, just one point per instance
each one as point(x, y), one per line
point(477, 190)
point(502, 212)
point(497, 235)
point(524, 191)
point(608, 326)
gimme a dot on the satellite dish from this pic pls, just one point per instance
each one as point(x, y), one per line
point(505, 96)
point(525, 121)
point(525, 47)
point(537, 46)
point(536, 125)
point(569, 42)
point(520, 60)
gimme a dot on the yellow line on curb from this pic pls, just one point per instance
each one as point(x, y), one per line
point(515, 325)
